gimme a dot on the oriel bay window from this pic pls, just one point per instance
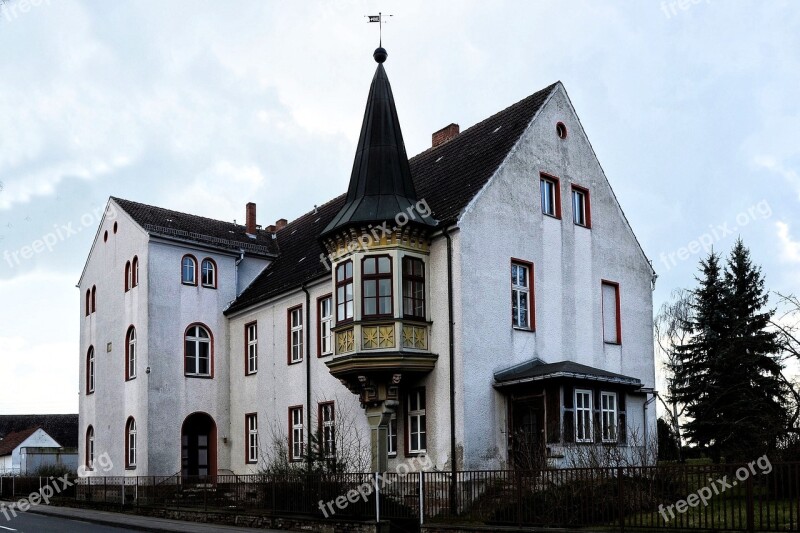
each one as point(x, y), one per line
point(376, 286)
point(344, 291)
point(413, 288)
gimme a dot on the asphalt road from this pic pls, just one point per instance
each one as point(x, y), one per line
point(37, 523)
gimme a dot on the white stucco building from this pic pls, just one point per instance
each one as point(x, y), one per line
point(13, 448)
point(503, 310)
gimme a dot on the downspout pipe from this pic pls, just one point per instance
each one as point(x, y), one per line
point(644, 414)
point(451, 333)
point(307, 355)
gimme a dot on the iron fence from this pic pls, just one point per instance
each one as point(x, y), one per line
point(665, 497)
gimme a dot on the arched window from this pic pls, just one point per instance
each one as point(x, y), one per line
point(130, 354)
point(94, 298)
point(130, 443)
point(208, 273)
point(128, 281)
point(89, 448)
point(90, 370)
point(135, 272)
point(189, 270)
point(88, 301)
point(198, 358)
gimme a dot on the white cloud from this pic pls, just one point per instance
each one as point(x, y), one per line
point(790, 249)
point(790, 175)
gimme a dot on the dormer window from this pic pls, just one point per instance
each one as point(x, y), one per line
point(344, 292)
point(376, 286)
point(189, 270)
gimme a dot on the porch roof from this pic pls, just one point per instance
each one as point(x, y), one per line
point(538, 370)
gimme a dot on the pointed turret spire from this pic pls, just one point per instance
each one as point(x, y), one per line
point(380, 183)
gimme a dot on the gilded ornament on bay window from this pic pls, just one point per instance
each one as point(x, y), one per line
point(415, 337)
point(373, 337)
point(345, 341)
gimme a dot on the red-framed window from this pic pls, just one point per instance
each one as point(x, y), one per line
point(198, 352)
point(581, 206)
point(523, 299)
point(550, 190)
point(294, 334)
point(327, 429)
point(189, 270)
point(128, 280)
point(90, 370)
point(208, 273)
point(130, 354)
point(296, 433)
point(94, 298)
point(612, 322)
point(135, 271)
point(251, 438)
point(130, 444)
point(250, 348)
point(88, 302)
point(89, 458)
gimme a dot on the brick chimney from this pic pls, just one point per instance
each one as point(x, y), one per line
point(280, 223)
point(250, 217)
point(445, 134)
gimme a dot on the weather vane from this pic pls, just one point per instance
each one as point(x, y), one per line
point(379, 19)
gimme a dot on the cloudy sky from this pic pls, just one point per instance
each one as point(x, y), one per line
point(202, 106)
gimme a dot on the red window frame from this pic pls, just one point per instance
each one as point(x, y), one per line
point(344, 282)
point(216, 272)
point(135, 272)
point(128, 464)
point(210, 355)
point(89, 449)
point(531, 295)
point(587, 206)
point(412, 279)
point(128, 376)
point(543, 176)
point(619, 309)
point(196, 273)
point(91, 370)
point(94, 298)
point(128, 281)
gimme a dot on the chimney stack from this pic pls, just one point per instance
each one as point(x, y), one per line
point(445, 134)
point(280, 223)
point(250, 217)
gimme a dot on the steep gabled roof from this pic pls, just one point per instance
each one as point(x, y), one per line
point(12, 440)
point(447, 177)
point(196, 229)
point(63, 428)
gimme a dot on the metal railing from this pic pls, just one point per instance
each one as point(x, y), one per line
point(670, 497)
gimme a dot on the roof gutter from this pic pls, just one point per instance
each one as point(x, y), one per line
point(572, 375)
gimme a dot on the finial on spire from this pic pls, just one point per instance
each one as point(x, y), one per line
point(380, 55)
point(379, 19)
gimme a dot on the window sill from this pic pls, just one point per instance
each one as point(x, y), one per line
point(584, 226)
point(199, 376)
point(209, 286)
point(189, 283)
point(130, 467)
point(89, 393)
point(251, 373)
point(323, 355)
point(529, 330)
point(557, 217)
point(418, 453)
point(290, 363)
point(612, 343)
point(130, 378)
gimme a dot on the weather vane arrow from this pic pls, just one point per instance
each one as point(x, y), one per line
point(379, 19)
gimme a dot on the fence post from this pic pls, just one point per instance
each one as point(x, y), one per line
point(750, 514)
point(377, 500)
point(421, 498)
point(122, 488)
point(519, 496)
point(620, 499)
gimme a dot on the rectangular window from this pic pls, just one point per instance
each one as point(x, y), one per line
point(551, 196)
point(581, 209)
point(295, 334)
point(251, 348)
point(251, 427)
point(583, 415)
point(392, 436)
point(416, 427)
point(608, 416)
point(612, 327)
point(413, 287)
point(296, 433)
point(324, 334)
point(327, 430)
point(344, 292)
point(522, 304)
point(376, 288)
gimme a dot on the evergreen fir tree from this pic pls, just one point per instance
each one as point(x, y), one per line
point(750, 397)
point(695, 371)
